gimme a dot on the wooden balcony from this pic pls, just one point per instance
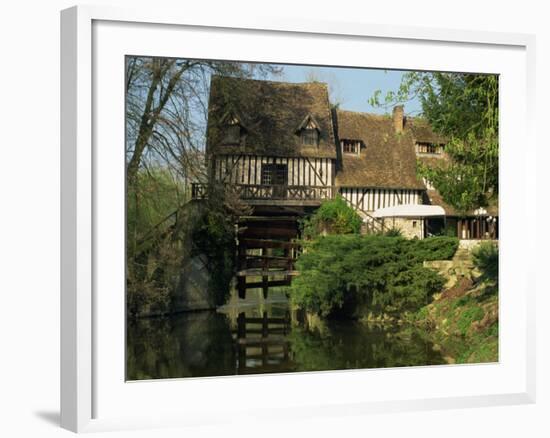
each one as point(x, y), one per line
point(273, 194)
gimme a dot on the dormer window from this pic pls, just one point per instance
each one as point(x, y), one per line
point(309, 131)
point(232, 130)
point(232, 134)
point(425, 148)
point(351, 146)
point(310, 137)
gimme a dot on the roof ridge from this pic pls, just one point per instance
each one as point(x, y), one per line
point(270, 81)
point(363, 113)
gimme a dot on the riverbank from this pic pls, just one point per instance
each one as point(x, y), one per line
point(463, 322)
point(444, 289)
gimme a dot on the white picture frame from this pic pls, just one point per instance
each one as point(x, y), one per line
point(85, 374)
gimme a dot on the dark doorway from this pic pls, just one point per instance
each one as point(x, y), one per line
point(435, 227)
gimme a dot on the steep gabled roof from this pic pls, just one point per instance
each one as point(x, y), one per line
point(422, 132)
point(272, 113)
point(387, 160)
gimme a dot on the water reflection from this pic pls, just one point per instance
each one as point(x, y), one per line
point(265, 337)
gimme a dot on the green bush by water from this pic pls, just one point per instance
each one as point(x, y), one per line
point(343, 275)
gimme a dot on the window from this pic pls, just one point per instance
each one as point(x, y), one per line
point(267, 174)
point(310, 136)
point(274, 174)
point(429, 148)
point(232, 134)
point(231, 129)
point(351, 146)
point(309, 131)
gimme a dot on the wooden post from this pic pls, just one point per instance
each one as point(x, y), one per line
point(241, 326)
point(286, 325)
point(265, 286)
point(265, 334)
point(241, 287)
point(265, 326)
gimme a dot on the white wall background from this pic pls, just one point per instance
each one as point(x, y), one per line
point(29, 215)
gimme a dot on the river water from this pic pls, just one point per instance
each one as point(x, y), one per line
point(264, 336)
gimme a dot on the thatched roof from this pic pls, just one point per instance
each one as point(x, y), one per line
point(422, 131)
point(271, 114)
point(387, 158)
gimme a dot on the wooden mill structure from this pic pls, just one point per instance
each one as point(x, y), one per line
point(283, 149)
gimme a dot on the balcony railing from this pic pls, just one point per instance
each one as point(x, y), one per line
point(271, 192)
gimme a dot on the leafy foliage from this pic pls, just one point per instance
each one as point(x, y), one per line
point(394, 232)
point(334, 216)
point(164, 231)
point(341, 273)
point(435, 248)
point(166, 118)
point(153, 252)
point(485, 258)
point(464, 108)
point(213, 236)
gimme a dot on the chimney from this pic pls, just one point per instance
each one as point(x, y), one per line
point(398, 118)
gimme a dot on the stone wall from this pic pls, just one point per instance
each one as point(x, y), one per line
point(470, 244)
point(409, 227)
point(192, 293)
point(460, 266)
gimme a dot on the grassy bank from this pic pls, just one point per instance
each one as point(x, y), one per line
point(463, 325)
point(463, 320)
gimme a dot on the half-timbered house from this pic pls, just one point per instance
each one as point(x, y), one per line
point(283, 148)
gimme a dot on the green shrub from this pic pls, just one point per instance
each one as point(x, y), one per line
point(213, 236)
point(339, 274)
point(334, 216)
point(485, 258)
point(394, 232)
point(435, 248)
point(153, 246)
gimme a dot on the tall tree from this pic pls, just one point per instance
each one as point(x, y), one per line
point(464, 108)
point(166, 117)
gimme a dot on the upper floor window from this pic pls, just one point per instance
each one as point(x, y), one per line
point(429, 148)
point(351, 146)
point(274, 174)
point(310, 137)
point(309, 131)
point(232, 134)
point(232, 130)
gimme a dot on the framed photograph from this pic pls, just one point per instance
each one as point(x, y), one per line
point(268, 217)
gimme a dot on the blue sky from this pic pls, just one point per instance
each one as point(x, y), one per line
point(352, 87)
